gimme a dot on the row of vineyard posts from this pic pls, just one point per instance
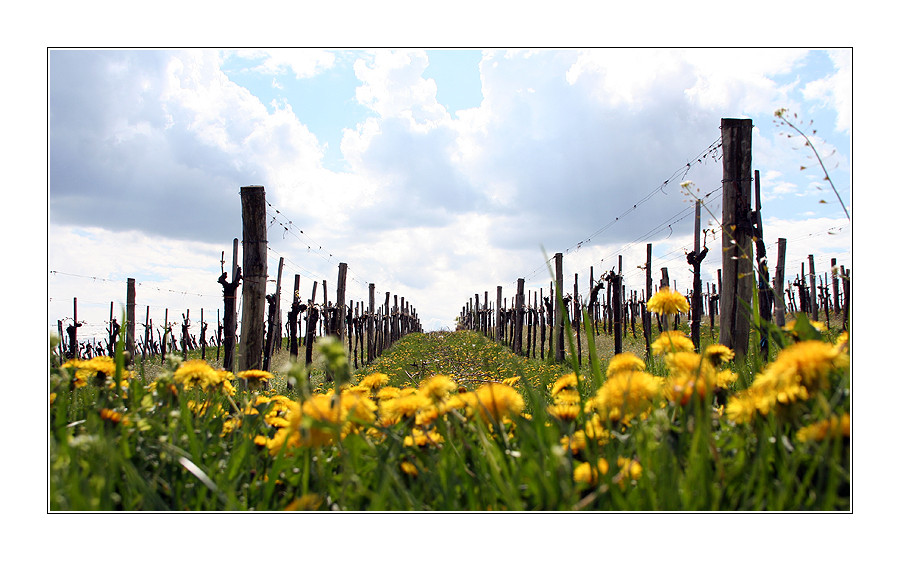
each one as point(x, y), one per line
point(533, 325)
point(366, 331)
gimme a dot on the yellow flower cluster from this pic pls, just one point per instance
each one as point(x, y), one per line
point(796, 375)
point(100, 370)
point(667, 301)
point(831, 427)
point(626, 394)
point(197, 373)
point(671, 342)
point(629, 470)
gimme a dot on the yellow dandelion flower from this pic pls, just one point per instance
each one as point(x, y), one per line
point(625, 396)
point(671, 342)
point(831, 427)
point(567, 396)
point(437, 387)
point(375, 381)
point(254, 375)
point(667, 301)
point(587, 473)
point(421, 438)
point(718, 354)
point(405, 405)
point(624, 362)
point(389, 392)
point(409, 469)
point(725, 378)
point(576, 443)
point(498, 400)
point(565, 382)
point(628, 469)
point(817, 325)
point(111, 415)
point(511, 381)
point(564, 411)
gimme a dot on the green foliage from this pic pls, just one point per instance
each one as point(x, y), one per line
point(173, 447)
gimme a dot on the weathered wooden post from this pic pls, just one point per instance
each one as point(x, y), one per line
point(229, 295)
point(253, 303)
point(202, 336)
point(519, 309)
point(765, 289)
point(834, 286)
point(558, 328)
point(370, 342)
point(813, 298)
point(312, 316)
point(185, 336)
point(737, 229)
point(577, 318)
point(129, 320)
point(845, 281)
point(778, 289)
point(341, 296)
point(293, 319)
point(694, 259)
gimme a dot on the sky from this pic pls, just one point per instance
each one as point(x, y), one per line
point(434, 174)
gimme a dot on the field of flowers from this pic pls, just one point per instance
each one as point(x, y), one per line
point(455, 422)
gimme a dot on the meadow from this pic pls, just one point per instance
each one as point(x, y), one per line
point(452, 421)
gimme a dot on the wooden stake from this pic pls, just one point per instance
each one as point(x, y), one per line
point(778, 289)
point(737, 249)
point(558, 328)
point(813, 297)
point(253, 214)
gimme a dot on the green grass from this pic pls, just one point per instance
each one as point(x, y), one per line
point(167, 456)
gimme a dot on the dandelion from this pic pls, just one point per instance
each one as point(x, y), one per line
point(511, 381)
point(670, 342)
point(423, 438)
point(255, 378)
point(375, 381)
point(718, 354)
point(624, 362)
point(667, 301)
point(566, 382)
point(437, 387)
point(409, 469)
point(625, 396)
point(564, 411)
point(587, 473)
point(831, 427)
point(628, 469)
point(113, 416)
point(498, 400)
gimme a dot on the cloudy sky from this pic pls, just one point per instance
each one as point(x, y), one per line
point(433, 174)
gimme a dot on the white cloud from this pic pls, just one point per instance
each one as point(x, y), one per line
point(836, 90)
point(303, 63)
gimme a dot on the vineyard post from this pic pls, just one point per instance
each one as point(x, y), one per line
point(386, 341)
point(813, 298)
point(498, 315)
point(202, 336)
point(229, 297)
point(253, 214)
point(519, 308)
point(845, 277)
point(663, 283)
point(185, 337)
point(218, 334)
point(293, 317)
point(834, 286)
point(577, 316)
point(737, 251)
point(129, 319)
point(113, 333)
point(277, 326)
point(765, 292)
point(164, 339)
point(370, 342)
point(312, 316)
point(476, 323)
point(778, 289)
point(558, 341)
point(341, 296)
point(616, 281)
point(695, 258)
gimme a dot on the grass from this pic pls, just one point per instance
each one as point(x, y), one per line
point(172, 445)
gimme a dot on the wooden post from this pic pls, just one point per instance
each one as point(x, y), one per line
point(616, 281)
point(845, 279)
point(229, 294)
point(778, 289)
point(129, 321)
point(517, 316)
point(312, 316)
point(202, 336)
point(577, 317)
point(834, 286)
point(558, 328)
point(113, 332)
point(218, 334)
point(737, 249)
point(185, 336)
point(694, 259)
point(293, 319)
point(253, 214)
point(370, 342)
point(765, 289)
point(497, 318)
point(813, 299)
